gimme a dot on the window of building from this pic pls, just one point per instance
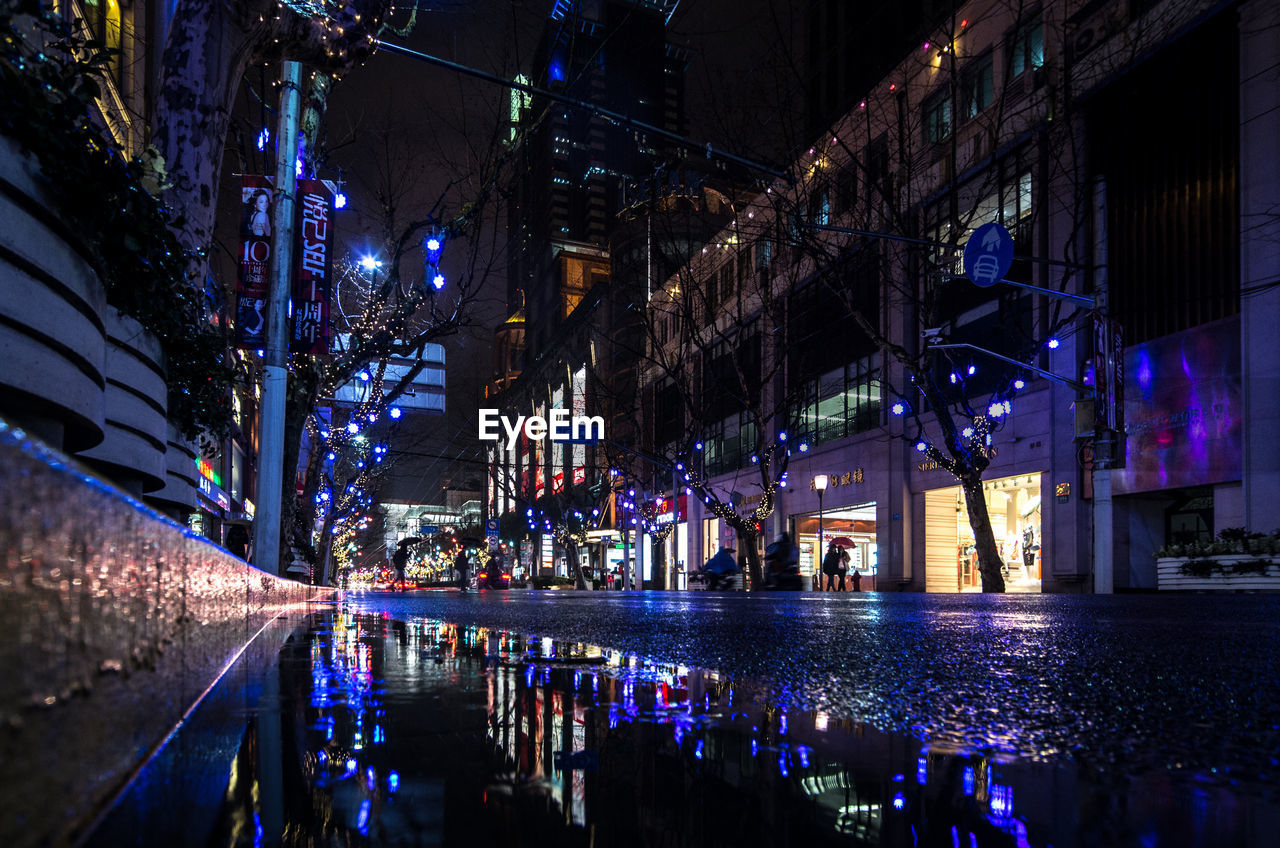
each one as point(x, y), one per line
point(977, 89)
point(937, 116)
point(726, 282)
point(103, 19)
point(1026, 49)
point(820, 206)
point(846, 189)
point(839, 403)
point(668, 415)
point(878, 165)
point(729, 444)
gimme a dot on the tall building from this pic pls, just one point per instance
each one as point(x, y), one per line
point(1125, 146)
point(574, 166)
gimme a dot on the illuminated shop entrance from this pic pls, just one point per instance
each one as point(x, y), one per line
point(856, 524)
point(951, 559)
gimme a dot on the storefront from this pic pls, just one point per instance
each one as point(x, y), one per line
point(851, 527)
point(675, 552)
point(1014, 507)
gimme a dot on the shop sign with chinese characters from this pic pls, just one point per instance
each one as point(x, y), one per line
point(848, 478)
point(312, 272)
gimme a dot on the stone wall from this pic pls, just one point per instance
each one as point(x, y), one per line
point(113, 622)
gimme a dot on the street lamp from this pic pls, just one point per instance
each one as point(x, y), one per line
point(819, 485)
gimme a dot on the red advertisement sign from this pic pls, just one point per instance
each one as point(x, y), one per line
point(257, 198)
point(312, 270)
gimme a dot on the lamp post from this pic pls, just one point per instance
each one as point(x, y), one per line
point(820, 486)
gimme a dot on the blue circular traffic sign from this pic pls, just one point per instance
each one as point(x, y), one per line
point(988, 254)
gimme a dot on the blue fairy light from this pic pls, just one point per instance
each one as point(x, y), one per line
point(433, 245)
point(1053, 344)
point(339, 201)
point(922, 446)
point(438, 281)
point(394, 412)
point(898, 408)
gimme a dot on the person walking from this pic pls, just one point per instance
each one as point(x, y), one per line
point(831, 566)
point(399, 560)
point(462, 565)
point(842, 568)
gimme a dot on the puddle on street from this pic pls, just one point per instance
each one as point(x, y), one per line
point(420, 732)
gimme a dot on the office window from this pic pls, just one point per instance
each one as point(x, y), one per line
point(937, 116)
point(726, 282)
point(976, 87)
point(820, 206)
point(846, 189)
point(1026, 50)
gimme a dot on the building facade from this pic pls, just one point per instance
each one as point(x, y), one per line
point(1123, 146)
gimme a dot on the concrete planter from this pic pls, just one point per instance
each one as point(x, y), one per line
point(132, 454)
point(178, 497)
point(1169, 575)
point(52, 336)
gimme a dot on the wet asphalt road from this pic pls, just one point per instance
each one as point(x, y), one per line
point(1120, 684)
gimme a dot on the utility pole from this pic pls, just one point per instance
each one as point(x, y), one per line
point(275, 380)
point(1105, 440)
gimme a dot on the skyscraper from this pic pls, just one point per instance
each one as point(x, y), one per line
point(574, 165)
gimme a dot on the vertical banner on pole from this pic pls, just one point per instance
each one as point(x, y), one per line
point(313, 269)
point(1108, 371)
point(256, 198)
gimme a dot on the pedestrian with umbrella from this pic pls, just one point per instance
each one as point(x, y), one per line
point(831, 566)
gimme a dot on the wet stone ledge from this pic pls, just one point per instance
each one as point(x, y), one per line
point(113, 622)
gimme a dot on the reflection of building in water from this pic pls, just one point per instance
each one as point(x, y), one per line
point(643, 753)
point(428, 732)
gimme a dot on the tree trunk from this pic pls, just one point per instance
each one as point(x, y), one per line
point(324, 552)
point(571, 550)
point(754, 568)
point(989, 563)
point(209, 45)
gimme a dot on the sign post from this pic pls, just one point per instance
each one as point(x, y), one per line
point(491, 533)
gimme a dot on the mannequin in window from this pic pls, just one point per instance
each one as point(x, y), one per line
point(1029, 548)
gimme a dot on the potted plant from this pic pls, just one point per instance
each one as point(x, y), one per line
point(1236, 560)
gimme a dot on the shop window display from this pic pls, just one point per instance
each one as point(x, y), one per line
point(951, 558)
